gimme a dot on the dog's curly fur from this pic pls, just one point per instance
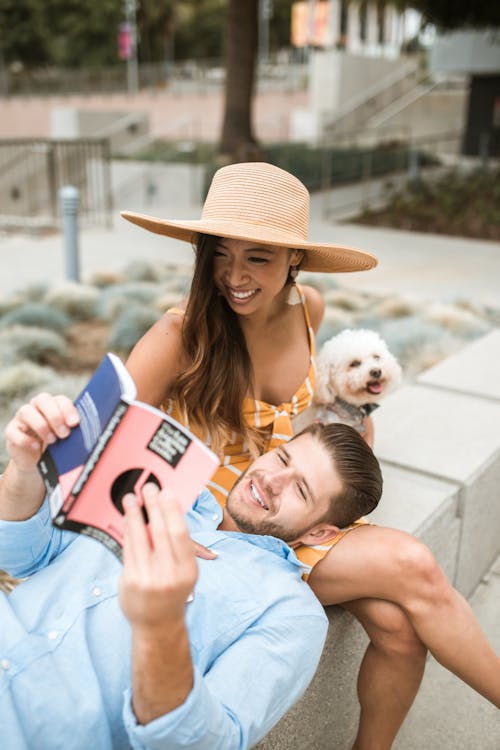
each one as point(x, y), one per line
point(356, 366)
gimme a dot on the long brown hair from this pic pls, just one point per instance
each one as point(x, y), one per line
point(211, 390)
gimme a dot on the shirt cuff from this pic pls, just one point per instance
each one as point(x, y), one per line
point(180, 728)
point(22, 543)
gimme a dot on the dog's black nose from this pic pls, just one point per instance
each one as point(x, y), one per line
point(375, 373)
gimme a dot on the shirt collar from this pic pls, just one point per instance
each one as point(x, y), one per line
point(207, 507)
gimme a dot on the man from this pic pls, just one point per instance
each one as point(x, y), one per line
point(206, 655)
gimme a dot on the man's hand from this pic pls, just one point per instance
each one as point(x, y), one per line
point(35, 425)
point(159, 573)
point(38, 424)
point(159, 565)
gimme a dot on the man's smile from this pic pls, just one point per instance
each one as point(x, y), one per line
point(257, 496)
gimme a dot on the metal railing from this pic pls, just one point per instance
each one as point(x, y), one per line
point(32, 170)
point(281, 72)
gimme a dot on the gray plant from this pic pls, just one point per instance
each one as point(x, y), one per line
point(18, 343)
point(115, 299)
point(78, 301)
point(36, 314)
point(128, 328)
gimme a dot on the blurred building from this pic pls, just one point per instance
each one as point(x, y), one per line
point(367, 80)
point(475, 55)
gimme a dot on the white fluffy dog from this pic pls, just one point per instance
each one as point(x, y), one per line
point(355, 369)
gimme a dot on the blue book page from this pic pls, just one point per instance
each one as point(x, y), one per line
point(96, 404)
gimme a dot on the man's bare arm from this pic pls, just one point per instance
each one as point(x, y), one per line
point(159, 573)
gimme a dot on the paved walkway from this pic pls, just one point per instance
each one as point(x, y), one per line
point(436, 267)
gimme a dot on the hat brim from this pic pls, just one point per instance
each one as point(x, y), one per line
point(319, 257)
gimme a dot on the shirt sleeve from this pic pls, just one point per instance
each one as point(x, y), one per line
point(27, 546)
point(244, 693)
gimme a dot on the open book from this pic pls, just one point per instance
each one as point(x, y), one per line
point(119, 445)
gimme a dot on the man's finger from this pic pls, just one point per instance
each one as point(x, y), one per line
point(203, 552)
point(50, 409)
point(177, 530)
point(68, 410)
point(136, 545)
point(32, 422)
point(157, 523)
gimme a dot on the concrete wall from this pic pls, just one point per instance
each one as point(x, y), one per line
point(472, 52)
point(121, 128)
point(439, 444)
point(337, 78)
point(435, 112)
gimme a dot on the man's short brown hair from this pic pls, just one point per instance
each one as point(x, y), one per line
point(358, 470)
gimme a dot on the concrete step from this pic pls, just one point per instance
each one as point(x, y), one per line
point(447, 714)
point(439, 445)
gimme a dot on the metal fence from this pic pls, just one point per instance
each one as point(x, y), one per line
point(281, 72)
point(32, 171)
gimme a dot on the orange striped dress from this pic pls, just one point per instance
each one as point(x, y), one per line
point(277, 419)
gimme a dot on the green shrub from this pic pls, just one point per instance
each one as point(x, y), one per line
point(114, 300)
point(38, 345)
point(130, 325)
point(36, 314)
point(78, 301)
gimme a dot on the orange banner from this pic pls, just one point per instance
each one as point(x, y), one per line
point(309, 23)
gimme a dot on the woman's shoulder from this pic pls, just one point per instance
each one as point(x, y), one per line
point(315, 305)
point(157, 359)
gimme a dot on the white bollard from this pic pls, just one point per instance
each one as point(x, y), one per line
point(69, 197)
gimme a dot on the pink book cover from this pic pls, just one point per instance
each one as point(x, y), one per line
point(138, 444)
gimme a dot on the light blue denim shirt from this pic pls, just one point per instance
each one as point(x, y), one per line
point(256, 633)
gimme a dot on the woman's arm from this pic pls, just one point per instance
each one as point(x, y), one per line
point(368, 433)
point(157, 359)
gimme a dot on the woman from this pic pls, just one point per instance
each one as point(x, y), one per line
point(237, 364)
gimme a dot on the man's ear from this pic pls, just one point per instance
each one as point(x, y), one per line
point(320, 534)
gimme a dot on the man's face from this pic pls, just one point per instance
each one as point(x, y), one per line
point(285, 492)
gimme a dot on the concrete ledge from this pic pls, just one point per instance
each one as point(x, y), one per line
point(439, 445)
point(454, 437)
point(474, 370)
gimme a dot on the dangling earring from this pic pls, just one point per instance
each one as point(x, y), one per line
point(293, 294)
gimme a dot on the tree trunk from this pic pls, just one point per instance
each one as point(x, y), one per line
point(237, 141)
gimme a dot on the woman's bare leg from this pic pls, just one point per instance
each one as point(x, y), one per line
point(390, 673)
point(382, 563)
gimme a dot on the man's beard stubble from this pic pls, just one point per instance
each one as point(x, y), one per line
point(265, 527)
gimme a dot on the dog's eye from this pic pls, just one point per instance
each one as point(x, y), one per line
point(376, 357)
point(355, 363)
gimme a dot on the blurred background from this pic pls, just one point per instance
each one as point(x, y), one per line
point(389, 112)
point(336, 91)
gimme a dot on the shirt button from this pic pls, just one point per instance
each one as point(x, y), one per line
point(97, 591)
point(5, 664)
point(215, 517)
point(52, 635)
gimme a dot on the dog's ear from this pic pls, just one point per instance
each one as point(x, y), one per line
point(324, 392)
point(394, 370)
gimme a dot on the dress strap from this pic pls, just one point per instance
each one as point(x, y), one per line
point(312, 342)
point(176, 311)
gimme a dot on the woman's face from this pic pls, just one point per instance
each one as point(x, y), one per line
point(251, 275)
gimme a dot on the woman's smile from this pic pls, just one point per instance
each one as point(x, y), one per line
point(241, 296)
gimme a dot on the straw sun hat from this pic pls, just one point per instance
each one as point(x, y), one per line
point(263, 204)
